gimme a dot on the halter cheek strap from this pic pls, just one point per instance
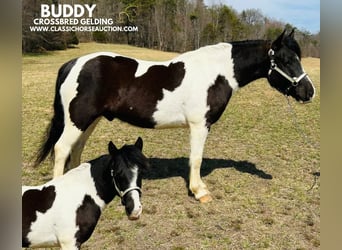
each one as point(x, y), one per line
point(123, 193)
point(294, 80)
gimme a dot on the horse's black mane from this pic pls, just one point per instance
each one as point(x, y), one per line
point(288, 41)
point(129, 156)
point(249, 42)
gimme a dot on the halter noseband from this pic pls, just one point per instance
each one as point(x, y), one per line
point(123, 193)
point(294, 80)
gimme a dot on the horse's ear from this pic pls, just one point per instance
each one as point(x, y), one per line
point(112, 149)
point(139, 143)
point(291, 35)
point(278, 42)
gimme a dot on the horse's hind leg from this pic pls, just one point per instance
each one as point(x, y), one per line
point(64, 146)
point(198, 136)
point(77, 149)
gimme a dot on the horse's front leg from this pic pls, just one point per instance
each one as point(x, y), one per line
point(198, 136)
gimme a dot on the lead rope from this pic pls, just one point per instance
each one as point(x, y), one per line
point(306, 139)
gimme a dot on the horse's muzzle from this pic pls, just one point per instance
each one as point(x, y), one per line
point(305, 102)
point(135, 214)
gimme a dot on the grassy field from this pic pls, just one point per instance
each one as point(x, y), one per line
point(257, 165)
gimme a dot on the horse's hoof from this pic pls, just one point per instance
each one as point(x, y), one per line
point(206, 198)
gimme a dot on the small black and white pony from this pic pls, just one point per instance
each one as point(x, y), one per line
point(64, 211)
point(191, 90)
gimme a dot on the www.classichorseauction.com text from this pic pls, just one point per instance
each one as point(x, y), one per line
point(75, 18)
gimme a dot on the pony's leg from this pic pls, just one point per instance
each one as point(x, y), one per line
point(77, 149)
point(64, 146)
point(198, 136)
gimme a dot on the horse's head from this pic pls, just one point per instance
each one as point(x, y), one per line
point(128, 163)
point(286, 73)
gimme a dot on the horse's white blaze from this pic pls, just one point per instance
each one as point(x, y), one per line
point(135, 194)
point(137, 210)
point(60, 215)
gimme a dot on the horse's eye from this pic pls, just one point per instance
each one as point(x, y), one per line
point(287, 63)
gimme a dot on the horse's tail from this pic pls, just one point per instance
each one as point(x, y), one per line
point(56, 126)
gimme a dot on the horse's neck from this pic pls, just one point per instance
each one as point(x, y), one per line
point(103, 180)
point(251, 60)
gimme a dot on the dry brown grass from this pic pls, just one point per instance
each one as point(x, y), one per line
point(257, 166)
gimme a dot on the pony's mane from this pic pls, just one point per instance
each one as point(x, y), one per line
point(128, 157)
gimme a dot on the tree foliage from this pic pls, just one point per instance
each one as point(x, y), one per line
point(169, 25)
point(40, 41)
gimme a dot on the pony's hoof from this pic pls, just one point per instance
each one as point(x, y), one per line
point(206, 198)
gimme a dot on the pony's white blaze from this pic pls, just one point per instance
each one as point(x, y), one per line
point(136, 212)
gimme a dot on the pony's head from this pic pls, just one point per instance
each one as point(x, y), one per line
point(286, 73)
point(127, 165)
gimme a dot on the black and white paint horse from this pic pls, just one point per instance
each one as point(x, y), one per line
point(191, 90)
point(64, 211)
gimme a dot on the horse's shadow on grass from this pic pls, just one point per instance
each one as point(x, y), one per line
point(166, 168)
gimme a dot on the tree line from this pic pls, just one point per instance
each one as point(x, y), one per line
point(168, 25)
